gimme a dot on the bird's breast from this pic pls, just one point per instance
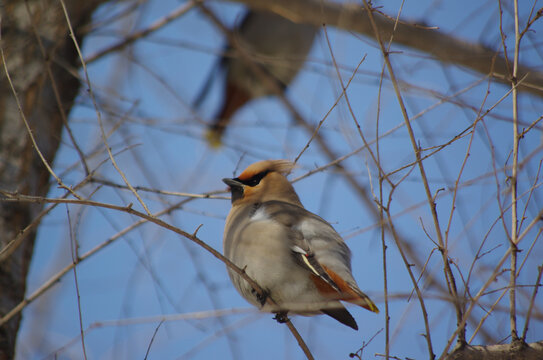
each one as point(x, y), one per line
point(260, 214)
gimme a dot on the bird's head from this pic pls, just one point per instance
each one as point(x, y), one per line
point(263, 181)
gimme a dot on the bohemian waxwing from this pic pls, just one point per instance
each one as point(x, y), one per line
point(296, 257)
point(277, 45)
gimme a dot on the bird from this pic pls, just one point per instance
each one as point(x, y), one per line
point(276, 45)
point(296, 257)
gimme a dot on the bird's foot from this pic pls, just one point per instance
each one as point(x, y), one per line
point(261, 297)
point(281, 317)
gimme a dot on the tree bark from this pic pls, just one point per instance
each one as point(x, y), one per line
point(517, 351)
point(20, 167)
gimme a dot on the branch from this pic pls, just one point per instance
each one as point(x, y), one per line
point(514, 185)
point(445, 48)
point(533, 351)
point(153, 219)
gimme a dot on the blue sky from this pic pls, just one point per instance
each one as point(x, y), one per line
point(147, 90)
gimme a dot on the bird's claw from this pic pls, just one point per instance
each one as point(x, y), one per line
point(281, 317)
point(261, 297)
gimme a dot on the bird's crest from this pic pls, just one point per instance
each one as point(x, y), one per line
point(283, 167)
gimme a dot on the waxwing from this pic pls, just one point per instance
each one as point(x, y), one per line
point(295, 256)
point(277, 45)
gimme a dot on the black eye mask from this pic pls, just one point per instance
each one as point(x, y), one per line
point(254, 180)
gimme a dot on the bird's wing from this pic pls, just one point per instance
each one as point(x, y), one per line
point(321, 250)
point(306, 257)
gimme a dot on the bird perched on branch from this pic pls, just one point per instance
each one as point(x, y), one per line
point(275, 45)
point(301, 263)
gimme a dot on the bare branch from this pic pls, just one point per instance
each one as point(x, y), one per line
point(445, 48)
point(498, 352)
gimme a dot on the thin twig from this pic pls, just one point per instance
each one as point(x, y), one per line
point(29, 129)
point(415, 285)
point(514, 178)
point(444, 251)
point(488, 313)
point(360, 351)
point(532, 190)
point(98, 114)
point(464, 162)
point(382, 225)
point(353, 116)
point(527, 255)
point(475, 300)
point(75, 259)
point(152, 339)
point(226, 330)
point(54, 87)
point(319, 125)
point(532, 223)
point(532, 302)
point(157, 25)
point(153, 319)
point(208, 195)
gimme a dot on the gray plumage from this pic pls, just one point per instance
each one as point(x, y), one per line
point(294, 255)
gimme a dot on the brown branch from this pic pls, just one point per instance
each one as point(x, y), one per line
point(74, 252)
point(445, 48)
point(533, 351)
point(514, 184)
point(415, 284)
point(150, 218)
point(95, 104)
point(451, 284)
point(532, 301)
point(130, 39)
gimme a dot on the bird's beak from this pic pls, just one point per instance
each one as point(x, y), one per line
point(232, 182)
point(236, 187)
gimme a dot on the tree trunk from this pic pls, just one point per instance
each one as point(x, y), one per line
point(20, 166)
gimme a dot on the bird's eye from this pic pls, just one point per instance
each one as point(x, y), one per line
point(255, 180)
